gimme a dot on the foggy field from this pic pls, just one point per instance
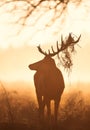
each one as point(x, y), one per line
point(19, 110)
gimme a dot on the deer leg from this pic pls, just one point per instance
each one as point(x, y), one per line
point(48, 109)
point(56, 110)
point(41, 107)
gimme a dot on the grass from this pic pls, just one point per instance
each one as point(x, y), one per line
point(21, 112)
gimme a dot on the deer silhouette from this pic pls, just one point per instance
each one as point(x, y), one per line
point(48, 79)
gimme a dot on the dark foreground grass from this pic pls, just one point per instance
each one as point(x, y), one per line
point(22, 113)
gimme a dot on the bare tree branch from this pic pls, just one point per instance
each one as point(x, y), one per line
point(32, 8)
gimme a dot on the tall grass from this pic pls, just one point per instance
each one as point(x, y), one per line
point(7, 102)
point(74, 111)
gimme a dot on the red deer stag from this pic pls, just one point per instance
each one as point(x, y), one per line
point(48, 79)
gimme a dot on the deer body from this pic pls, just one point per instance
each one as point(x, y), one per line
point(48, 79)
point(49, 83)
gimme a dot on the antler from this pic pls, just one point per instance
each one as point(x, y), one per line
point(64, 45)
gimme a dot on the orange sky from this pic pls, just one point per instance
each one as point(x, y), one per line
point(18, 51)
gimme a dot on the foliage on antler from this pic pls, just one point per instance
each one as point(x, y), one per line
point(66, 56)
